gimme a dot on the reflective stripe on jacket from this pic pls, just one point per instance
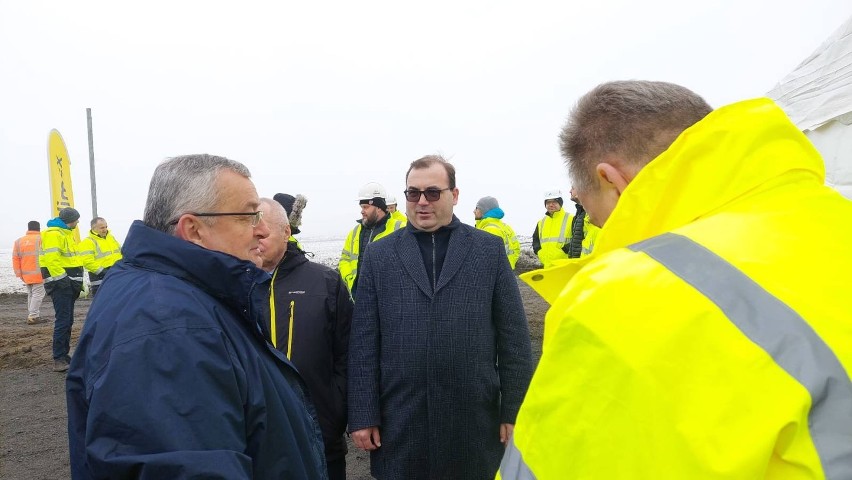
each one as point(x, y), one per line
point(695, 342)
point(590, 237)
point(554, 232)
point(59, 256)
point(398, 216)
point(25, 257)
point(348, 265)
point(499, 228)
point(98, 253)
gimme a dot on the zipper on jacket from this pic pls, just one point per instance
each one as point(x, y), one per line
point(434, 274)
point(290, 328)
point(273, 333)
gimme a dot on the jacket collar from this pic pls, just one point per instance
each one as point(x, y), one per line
point(223, 276)
point(293, 257)
point(737, 151)
point(733, 154)
point(57, 223)
point(412, 262)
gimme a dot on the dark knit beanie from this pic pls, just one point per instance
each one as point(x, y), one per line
point(34, 226)
point(377, 202)
point(69, 215)
point(293, 206)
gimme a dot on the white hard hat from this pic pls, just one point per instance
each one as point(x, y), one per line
point(552, 194)
point(371, 190)
point(390, 200)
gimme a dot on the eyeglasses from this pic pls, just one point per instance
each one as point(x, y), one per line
point(256, 217)
point(431, 194)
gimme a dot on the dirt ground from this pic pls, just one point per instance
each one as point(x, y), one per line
point(33, 419)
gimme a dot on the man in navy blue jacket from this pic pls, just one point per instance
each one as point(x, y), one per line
point(172, 377)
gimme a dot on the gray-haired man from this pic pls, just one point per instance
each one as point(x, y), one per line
point(172, 377)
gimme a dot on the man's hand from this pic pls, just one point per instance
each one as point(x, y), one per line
point(506, 430)
point(369, 438)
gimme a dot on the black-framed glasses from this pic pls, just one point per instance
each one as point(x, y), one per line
point(431, 194)
point(256, 217)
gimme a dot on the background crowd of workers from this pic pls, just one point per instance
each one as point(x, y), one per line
point(52, 263)
point(558, 235)
point(685, 338)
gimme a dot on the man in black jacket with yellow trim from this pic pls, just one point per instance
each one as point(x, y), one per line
point(310, 312)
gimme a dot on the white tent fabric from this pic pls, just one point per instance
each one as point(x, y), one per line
point(817, 96)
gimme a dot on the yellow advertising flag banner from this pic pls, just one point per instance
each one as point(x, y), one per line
point(59, 167)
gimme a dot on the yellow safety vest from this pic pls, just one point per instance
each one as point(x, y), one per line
point(590, 235)
point(59, 256)
point(348, 265)
point(398, 216)
point(99, 253)
point(499, 228)
point(702, 338)
point(553, 233)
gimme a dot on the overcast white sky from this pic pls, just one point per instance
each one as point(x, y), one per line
point(319, 98)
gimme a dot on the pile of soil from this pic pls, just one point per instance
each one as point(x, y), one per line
point(33, 418)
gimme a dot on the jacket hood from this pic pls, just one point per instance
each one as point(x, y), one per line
point(224, 276)
point(733, 153)
point(736, 150)
point(58, 223)
point(494, 213)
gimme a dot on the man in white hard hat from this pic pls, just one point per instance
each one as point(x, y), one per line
point(395, 215)
point(553, 232)
point(372, 226)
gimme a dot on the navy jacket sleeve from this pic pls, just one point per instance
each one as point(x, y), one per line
point(153, 426)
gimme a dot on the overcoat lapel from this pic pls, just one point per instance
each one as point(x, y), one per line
point(457, 251)
point(412, 262)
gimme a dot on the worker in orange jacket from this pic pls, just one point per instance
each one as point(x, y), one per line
point(25, 263)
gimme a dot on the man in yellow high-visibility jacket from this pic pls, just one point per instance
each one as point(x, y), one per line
point(99, 251)
point(393, 211)
point(696, 341)
point(62, 270)
point(583, 232)
point(489, 217)
point(375, 224)
point(552, 235)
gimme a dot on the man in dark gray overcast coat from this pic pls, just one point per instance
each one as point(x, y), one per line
point(439, 350)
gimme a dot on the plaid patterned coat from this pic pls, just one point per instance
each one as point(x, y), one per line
point(423, 362)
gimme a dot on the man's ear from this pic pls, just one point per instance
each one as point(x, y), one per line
point(187, 229)
point(613, 177)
